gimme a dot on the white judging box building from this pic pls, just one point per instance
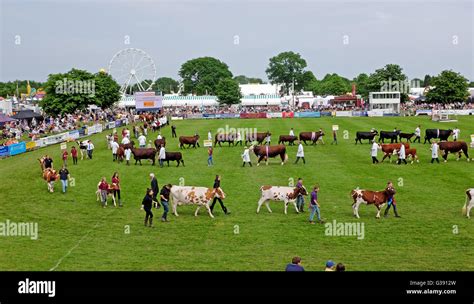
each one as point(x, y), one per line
point(386, 102)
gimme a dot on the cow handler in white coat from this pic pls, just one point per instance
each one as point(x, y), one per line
point(246, 157)
point(300, 153)
point(162, 156)
point(401, 155)
point(374, 151)
point(434, 152)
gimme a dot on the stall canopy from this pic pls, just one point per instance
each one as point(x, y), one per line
point(4, 119)
point(27, 114)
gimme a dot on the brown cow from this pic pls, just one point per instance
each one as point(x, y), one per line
point(312, 136)
point(177, 156)
point(120, 154)
point(287, 138)
point(453, 147)
point(50, 176)
point(388, 149)
point(129, 145)
point(259, 137)
point(377, 198)
point(189, 140)
point(409, 154)
point(264, 152)
point(160, 142)
point(144, 153)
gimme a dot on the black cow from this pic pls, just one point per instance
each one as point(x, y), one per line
point(393, 136)
point(366, 135)
point(407, 136)
point(437, 133)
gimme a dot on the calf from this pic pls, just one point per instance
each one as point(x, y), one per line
point(410, 154)
point(407, 136)
point(388, 149)
point(287, 138)
point(177, 156)
point(466, 210)
point(189, 195)
point(276, 193)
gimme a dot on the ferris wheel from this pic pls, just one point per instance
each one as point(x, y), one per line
point(133, 69)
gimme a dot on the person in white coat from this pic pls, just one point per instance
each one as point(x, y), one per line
point(292, 133)
point(114, 145)
point(142, 141)
point(246, 157)
point(401, 155)
point(125, 140)
point(434, 152)
point(159, 136)
point(209, 135)
point(238, 139)
point(162, 156)
point(373, 152)
point(128, 153)
point(456, 132)
point(300, 153)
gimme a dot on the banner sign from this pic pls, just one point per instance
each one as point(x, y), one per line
point(63, 146)
point(148, 101)
point(288, 114)
point(176, 118)
point(343, 113)
point(207, 143)
point(374, 113)
point(17, 148)
point(98, 128)
point(30, 145)
point(111, 125)
point(335, 127)
point(359, 113)
point(73, 135)
point(4, 151)
point(325, 113)
point(274, 115)
point(308, 114)
point(253, 115)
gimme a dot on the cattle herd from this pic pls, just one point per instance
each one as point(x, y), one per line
point(260, 145)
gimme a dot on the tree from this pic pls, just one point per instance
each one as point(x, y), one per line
point(361, 82)
point(77, 89)
point(107, 90)
point(242, 79)
point(333, 84)
point(166, 85)
point(9, 88)
point(287, 68)
point(449, 86)
point(471, 84)
point(427, 81)
point(228, 91)
point(389, 78)
point(201, 75)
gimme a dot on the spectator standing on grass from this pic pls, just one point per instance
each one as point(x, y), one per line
point(74, 155)
point(128, 153)
point(434, 152)
point(340, 267)
point(295, 265)
point(209, 158)
point(64, 157)
point(165, 197)
point(116, 187)
point(48, 162)
point(147, 203)
point(90, 149)
point(64, 176)
point(329, 266)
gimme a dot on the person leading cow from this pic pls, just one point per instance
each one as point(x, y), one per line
point(217, 184)
point(391, 199)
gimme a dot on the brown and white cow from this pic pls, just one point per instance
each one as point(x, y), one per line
point(410, 154)
point(388, 149)
point(50, 176)
point(454, 147)
point(110, 193)
point(277, 193)
point(189, 195)
point(368, 197)
point(466, 210)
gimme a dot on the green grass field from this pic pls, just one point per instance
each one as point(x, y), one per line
point(75, 233)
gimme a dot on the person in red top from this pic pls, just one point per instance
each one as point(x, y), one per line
point(74, 155)
point(65, 155)
point(104, 188)
point(209, 159)
point(116, 186)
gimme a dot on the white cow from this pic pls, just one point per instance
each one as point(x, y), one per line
point(189, 195)
point(277, 193)
point(469, 202)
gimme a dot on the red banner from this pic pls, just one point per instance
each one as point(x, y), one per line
point(288, 114)
point(253, 115)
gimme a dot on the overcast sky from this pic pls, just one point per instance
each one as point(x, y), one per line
point(424, 37)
